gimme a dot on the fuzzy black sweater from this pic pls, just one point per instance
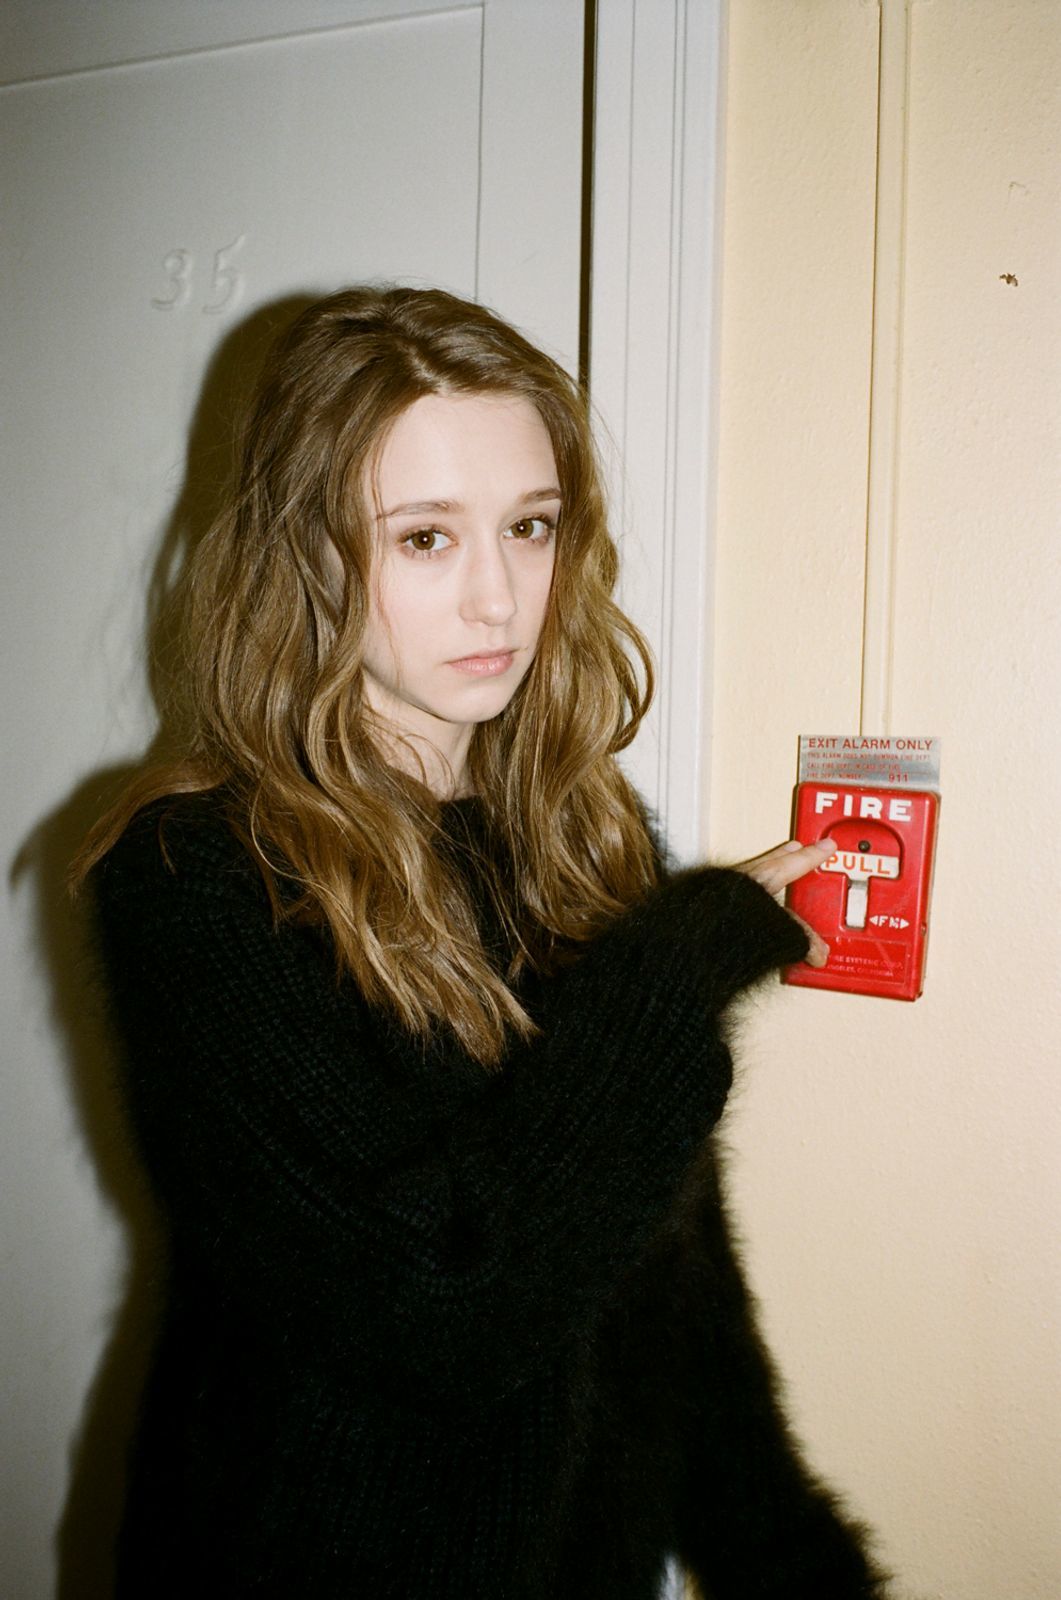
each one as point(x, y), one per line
point(434, 1332)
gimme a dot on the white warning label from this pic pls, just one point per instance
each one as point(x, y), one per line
point(882, 763)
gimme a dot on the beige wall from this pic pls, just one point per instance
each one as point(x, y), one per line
point(898, 1167)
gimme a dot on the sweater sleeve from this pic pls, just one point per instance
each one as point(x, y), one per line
point(751, 1517)
point(430, 1257)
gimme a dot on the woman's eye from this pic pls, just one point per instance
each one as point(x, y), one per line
point(426, 541)
point(534, 529)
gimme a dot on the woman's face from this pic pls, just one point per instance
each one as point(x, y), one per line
point(465, 502)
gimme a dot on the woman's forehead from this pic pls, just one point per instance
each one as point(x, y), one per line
point(445, 447)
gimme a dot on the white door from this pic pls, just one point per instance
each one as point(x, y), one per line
point(169, 169)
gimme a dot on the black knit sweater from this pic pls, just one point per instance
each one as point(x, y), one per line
point(432, 1332)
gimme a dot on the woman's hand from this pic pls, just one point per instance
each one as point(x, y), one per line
point(783, 865)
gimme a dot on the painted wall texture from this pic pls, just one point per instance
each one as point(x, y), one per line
point(896, 1166)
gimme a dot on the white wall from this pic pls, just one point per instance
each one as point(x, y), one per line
point(896, 1166)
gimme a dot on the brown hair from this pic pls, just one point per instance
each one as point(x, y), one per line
point(271, 679)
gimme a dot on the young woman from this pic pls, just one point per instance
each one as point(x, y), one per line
point(425, 1044)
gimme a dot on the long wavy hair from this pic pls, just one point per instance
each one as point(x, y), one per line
point(270, 681)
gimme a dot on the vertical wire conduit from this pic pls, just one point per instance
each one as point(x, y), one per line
point(885, 365)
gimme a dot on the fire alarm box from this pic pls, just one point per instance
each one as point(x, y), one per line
point(878, 800)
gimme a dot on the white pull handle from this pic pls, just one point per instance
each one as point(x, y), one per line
point(857, 903)
point(858, 867)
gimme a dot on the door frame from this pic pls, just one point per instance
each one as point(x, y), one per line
point(655, 214)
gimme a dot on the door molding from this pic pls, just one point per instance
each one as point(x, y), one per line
point(653, 363)
point(35, 45)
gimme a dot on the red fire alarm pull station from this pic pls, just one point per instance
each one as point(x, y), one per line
point(878, 800)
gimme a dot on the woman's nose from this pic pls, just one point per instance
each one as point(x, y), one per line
point(488, 592)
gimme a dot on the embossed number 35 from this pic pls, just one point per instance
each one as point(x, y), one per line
point(226, 285)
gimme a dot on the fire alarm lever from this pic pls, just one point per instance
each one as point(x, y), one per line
point(864, 851)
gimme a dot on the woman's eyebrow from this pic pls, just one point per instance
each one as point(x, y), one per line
point(423, 507)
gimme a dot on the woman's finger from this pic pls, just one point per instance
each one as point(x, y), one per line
point(818, 954)
point(779, 867)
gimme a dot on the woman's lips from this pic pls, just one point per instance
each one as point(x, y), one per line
point(490, 666)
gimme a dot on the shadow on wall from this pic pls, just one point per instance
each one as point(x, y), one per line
point(96, 1474)
point(96, 1486)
